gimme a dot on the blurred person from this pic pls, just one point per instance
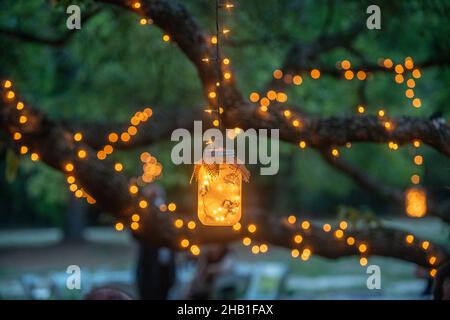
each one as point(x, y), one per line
point(442, 283)
point(155, 270)
point(214, 261)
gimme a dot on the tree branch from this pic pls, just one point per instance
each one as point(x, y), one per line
point(337, 131)
point(395, 195)
point(56, 148)
point(162, 124)
point(302, 55)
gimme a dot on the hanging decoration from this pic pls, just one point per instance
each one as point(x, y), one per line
point(219, 174)
point(220, 188)
point(416, 202)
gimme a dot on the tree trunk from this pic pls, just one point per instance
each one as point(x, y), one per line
point(74, 221)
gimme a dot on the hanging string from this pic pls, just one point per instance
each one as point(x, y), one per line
point(218, 68)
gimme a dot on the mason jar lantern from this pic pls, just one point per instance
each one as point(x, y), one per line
point(219, 177)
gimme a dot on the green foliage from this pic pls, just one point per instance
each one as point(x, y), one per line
point(113, 67)
point(12, 164)
point(359, 218)
point(46, 190)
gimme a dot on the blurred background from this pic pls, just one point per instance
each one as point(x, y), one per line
point(114, 66)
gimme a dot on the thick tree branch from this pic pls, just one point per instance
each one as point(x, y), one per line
point(302, 55)
point(337, 131)
point(439, 60)
point(56, 148)
point(381, 241)
point(163, 122)
point(320, 133)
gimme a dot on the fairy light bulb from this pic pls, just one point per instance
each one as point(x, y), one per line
point(361, 109)
point(119, 226)
point(363, 261)
point(133, 189)
point(195, 250)
point(292, 219)
point(143, 204)
point(172, 207)
point(191, 225)
point(7, 84)
point(10, 95)
point(81, 153)
point(335, 152)
point(425, 245)
point(118, 167)
point(350, 241)
point(298, 238)
point(68, 167)
point(23, 119)
point(134, 226)
point(17, 136)
point(315, 74)
point(409, 239)
point(305, 225)
point(362, 248)
point(387, 63)
point(339, 234)
point(277, 74)
point(34, 156)
point(263, 248)
point(78, 136)
point(184, 243)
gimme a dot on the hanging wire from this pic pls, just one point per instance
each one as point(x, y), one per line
point(217, 60)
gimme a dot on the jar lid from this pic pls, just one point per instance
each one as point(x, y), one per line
point(218, 155)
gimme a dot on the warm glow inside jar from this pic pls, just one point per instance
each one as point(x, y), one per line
point(219, 191)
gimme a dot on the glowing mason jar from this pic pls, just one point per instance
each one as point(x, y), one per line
point(219, 190)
